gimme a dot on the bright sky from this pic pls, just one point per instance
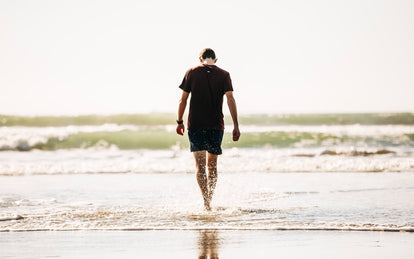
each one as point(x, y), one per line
point(77, 57)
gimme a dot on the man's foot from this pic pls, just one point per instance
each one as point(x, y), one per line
point(207, 206)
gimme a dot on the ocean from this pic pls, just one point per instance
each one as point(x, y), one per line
point(133, 172)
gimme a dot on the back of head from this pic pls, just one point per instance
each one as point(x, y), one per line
point(207, 53)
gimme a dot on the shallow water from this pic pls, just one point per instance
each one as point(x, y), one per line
point(255, 201)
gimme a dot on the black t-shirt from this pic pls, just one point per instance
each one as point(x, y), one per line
point(207, 85)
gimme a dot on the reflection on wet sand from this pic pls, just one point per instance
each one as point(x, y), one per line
point(208, 244)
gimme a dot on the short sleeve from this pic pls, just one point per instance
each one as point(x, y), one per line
point(185, 84)
point(227, 84)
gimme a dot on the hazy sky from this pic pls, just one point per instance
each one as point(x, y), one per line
point(77, 57)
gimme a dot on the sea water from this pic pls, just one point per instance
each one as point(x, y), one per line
point(325, 172)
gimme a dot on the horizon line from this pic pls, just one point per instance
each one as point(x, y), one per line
point(186, 114)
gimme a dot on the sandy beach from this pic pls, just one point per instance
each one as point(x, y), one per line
point(207, 243)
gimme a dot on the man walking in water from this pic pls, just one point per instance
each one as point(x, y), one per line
point(207, 84)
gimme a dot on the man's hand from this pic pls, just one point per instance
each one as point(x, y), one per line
point(180, 129)
point(233, 111)
point(236, 134)
point(181, 109)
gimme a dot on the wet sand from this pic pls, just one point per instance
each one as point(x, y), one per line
point(206, 244)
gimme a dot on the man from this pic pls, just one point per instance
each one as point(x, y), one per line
point(207, 84)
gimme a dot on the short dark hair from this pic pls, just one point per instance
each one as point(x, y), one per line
point(207, 53)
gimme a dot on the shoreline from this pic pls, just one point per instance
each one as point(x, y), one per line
point(277, 229)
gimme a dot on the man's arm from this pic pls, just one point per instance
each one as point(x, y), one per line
point(181, 108)
point(231, 102)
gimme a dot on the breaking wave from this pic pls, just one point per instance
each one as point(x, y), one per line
point(128, 137)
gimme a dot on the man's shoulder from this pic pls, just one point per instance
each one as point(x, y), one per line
point(222, 70)
point(192, 70)
point(201, 67)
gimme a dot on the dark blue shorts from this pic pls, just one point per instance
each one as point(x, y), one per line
point(209, 140)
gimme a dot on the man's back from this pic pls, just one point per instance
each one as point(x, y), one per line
point(207, 85)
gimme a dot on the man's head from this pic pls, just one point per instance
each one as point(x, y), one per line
point(207, 55)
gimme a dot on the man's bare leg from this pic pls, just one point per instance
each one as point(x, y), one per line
point(212, 175)
point(200, 161)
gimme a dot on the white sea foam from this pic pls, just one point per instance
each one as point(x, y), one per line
point(98, 161)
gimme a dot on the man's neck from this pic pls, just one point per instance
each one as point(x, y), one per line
point(209, 62)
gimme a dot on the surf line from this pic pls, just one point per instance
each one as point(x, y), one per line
point(402, 230)
point(17, 217)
